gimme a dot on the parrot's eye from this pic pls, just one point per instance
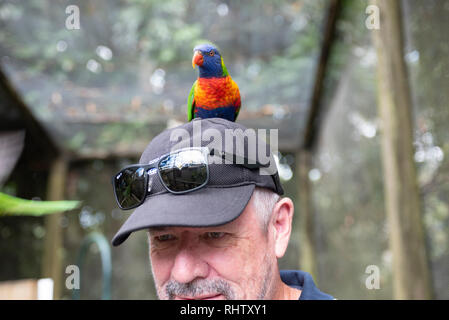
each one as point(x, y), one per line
point(211, 53)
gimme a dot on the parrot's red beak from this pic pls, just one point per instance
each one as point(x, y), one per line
point(197, 59)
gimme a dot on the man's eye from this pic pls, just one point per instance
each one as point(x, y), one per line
point(214, 235)
point(165, 237)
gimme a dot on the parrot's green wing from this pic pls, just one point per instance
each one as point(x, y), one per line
point(191, 103)
point(237, 114)
point(10, 205)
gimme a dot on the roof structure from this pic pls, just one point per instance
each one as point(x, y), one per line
point(21, 133)
point(104, 91)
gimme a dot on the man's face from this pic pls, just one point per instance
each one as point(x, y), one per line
point(233, 261)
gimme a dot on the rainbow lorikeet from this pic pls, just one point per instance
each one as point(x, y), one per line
point(214, 94)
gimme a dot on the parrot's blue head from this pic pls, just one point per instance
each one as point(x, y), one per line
point(209, 61)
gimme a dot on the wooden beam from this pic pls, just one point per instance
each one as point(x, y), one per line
point(53, 245)
point(18, 290)
point(411, 276)
point(26, 289)
point(305, 221)
point(313, 121)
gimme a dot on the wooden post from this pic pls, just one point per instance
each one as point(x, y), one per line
point(306, 217)
point(411, 277)
point(308, 260)
point(315, 108)
point(52, 260)
point(26, 289)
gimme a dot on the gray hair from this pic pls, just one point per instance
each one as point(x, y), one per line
point(264, 201)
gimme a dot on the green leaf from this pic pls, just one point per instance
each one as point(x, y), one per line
point(10, 205)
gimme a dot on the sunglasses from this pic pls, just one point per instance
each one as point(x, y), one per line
point(182, 171)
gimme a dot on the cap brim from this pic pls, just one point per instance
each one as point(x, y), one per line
point(206, 207)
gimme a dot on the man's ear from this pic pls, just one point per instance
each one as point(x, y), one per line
point(282, 223)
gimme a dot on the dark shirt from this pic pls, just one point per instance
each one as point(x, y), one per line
point(303, 281)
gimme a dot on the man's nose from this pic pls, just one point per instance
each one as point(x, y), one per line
point(189, 263)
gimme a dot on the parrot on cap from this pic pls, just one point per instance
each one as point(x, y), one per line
point(214, 94)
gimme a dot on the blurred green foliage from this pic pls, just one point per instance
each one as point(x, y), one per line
point(10, 205)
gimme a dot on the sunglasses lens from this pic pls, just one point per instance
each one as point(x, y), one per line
point(130, 187)
point(184, 171)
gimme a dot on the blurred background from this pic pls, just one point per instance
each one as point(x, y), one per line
point(361, 108)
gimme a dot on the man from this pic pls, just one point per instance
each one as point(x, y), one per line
point(215, 219)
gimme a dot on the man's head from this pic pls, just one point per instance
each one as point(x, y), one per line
point(215, 227)
point(237, 260)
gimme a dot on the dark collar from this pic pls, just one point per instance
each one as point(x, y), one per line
point(303, 281)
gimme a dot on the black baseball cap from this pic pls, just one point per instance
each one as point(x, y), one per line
point(230, 185)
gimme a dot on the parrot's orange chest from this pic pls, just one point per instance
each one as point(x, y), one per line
point(213, 93)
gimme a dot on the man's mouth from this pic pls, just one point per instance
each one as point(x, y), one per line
point(217, 296)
